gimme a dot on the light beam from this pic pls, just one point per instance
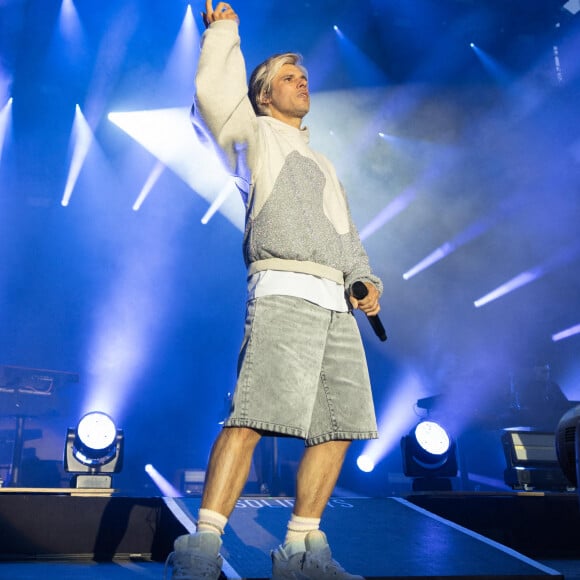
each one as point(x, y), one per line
point(82, 136)
point(397, 417)
point(497, 71)
point(560, 259)
point(149, 184)
point(567, 333)
point(162, 484)
point(5, 123)
point(168, 135)
point(69, 23)
point(179, 74)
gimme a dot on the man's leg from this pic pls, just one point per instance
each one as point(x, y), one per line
point(317, 475)
point(306, 553)
point(228, 469)
point(196, 556)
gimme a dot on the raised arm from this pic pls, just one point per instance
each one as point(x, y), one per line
point(221, 98)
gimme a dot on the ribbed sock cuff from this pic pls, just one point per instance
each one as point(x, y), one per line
point(299, 527)
point(211, 521)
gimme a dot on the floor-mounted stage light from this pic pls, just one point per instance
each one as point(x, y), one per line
point(531, 460)
point(93, 451)
point(568, 445)
point(429, 456)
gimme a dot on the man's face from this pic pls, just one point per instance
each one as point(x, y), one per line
point(289, 98)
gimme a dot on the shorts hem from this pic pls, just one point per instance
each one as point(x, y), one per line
point(268, 427)
point(286, 430)
point(340, 436)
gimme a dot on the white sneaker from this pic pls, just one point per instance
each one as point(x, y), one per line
point(315, 563)
point(196, 556)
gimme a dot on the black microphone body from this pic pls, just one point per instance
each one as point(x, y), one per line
point(359, 291)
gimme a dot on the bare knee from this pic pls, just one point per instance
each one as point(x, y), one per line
point(240, 437)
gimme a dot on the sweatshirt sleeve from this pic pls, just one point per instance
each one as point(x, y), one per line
point(360, 268)
point(221, 98)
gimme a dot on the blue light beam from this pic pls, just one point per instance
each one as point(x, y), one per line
point(566, 333)
point(361, 68)
point(179, 74)
point(397, 417)
point(162, 484)
point(390, 211)
point(5, 123)
point(82, 137)
point(69, 23)
point(149, 184)
point(496, 70)
point(167, 134)
point(472, 232)
point(524, 278)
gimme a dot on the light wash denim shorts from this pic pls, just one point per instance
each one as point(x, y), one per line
point(302, 372)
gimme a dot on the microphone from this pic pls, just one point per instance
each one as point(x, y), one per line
point(359, 291)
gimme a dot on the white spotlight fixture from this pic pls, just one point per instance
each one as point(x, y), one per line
point(432, 438)
point(429, 453)
point(365, 463)
point(93, 451)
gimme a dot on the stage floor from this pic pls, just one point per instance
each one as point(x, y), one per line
point(388, 538)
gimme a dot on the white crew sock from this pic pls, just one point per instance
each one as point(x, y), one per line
point(298, 528)
point(210, 521)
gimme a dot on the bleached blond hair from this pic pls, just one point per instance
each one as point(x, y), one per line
point(260, 85)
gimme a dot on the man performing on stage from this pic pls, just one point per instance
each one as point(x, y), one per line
point(302, 370)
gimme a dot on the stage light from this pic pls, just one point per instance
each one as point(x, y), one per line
point(429, 453)
point(432, 437)
point(365, 463)
point(531, 460)
point(93, 451)
point(568, 444)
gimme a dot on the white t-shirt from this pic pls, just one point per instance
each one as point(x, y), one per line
point(321, 291)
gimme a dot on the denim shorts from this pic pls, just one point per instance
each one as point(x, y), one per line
point(302, 372)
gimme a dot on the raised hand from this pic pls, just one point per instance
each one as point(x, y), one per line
point(223, 11)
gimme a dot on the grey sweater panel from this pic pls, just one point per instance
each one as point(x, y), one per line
point(292, 225)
